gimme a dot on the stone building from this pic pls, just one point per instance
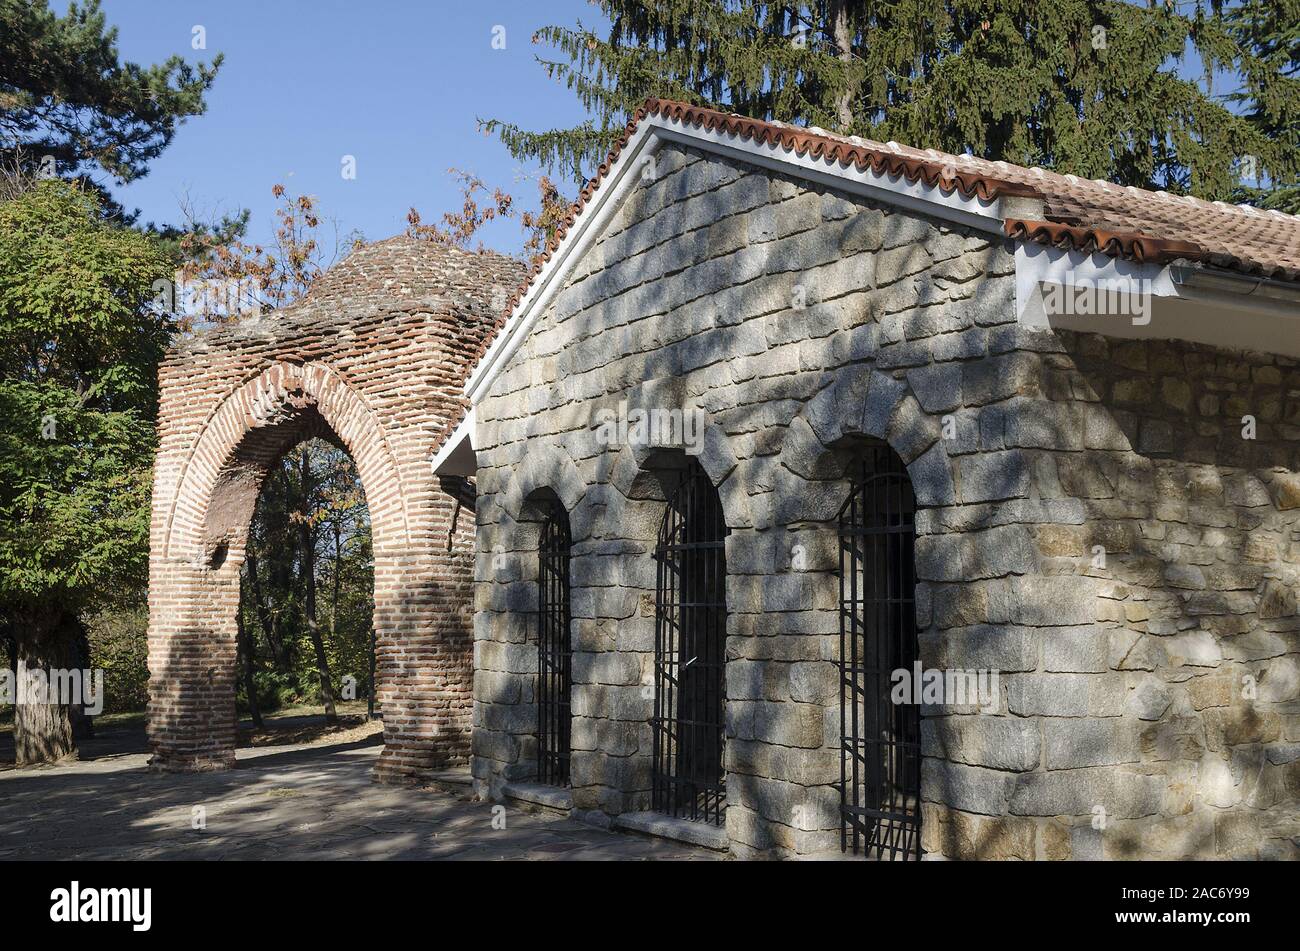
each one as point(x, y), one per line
point(785, 414)
point(371, 360)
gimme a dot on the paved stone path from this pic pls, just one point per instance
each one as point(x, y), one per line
point(298, 802)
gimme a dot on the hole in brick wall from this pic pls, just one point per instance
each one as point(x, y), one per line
point(218, 556)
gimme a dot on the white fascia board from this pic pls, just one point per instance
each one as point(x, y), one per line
point(455, 457)
point(1039, 264)
point(1155, 302)
point(604, 202)
point(653, 131)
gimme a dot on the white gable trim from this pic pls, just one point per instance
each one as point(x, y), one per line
point(895, 190)
point(604, 201)
point(653, 131)
point(455, 457)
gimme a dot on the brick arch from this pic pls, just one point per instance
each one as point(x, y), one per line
point(373, 358)
point(258, 417)
point(195, 574)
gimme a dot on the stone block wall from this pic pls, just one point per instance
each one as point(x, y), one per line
point(373, 360)
point(1091, 526)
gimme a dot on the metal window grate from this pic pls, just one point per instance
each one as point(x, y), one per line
point(690, 642)
point(554, 653)
point(880, 752)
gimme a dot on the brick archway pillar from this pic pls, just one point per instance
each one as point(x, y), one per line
point(373, 359)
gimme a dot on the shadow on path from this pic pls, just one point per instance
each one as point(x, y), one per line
point(300, 803)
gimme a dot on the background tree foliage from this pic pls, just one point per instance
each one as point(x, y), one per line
point(307, 600)
point(458, 228)
point(64, 92)
point(80, 341)
point(1098, 88)
point(1271, 29)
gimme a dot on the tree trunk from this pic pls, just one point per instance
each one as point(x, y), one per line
point(83, 727)
point(280, 578)
point(307, 544)
point(843, 36)
point(264, 616)
point(11, 647)
point(245, 645)
point(338, 564)
point(43, 731)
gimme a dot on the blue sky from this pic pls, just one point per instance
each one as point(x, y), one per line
point(396, 83)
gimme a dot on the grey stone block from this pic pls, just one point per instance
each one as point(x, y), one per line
point(703, 834)
point(993, 476)
point(1001, 377)
point(1079, 792)
point(931, 476)
point(1003, 648)
point(1052, 600)
point(1048, 695)
point(784, 724)
point(883, 397)
point(863, 231)
point(900, 229)
point(968, 788)
point(1006, 743)
point(1068, 744)
point(1082, 649)
point(937, 387)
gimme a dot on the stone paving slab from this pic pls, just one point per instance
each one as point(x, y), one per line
point(310, 802)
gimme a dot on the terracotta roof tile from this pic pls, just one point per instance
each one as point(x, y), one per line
point(1265, 243)
point(1120, 244)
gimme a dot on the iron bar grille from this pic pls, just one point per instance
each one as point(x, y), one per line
point(690, 642)
point(554, 654)
point(880, 751)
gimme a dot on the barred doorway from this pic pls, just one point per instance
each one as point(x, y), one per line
point(880, 750)
point(554, 650)
point(690, 641)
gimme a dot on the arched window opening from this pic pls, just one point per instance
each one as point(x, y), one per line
point(554, 649)
point(690, 639)
point(880, 751)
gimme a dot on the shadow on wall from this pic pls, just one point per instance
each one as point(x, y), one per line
point(1195, 509)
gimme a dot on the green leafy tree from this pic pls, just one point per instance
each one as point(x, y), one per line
point(1098, 88)
point(80, 341)
point(65, 93)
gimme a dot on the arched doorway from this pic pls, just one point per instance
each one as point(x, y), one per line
point(306, 612)
point(688, 778)
point(204, 497)
point(880, 750)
